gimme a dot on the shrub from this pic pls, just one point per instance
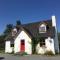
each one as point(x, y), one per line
point(21, 53)
point(48, 53)
point(24, 53)
point(2, 51)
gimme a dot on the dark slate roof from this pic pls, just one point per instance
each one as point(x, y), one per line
point(21, 28)
point(32, 29)
point(9, 37)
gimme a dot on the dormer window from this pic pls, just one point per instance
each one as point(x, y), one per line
point(42, 28)
point(14, 31)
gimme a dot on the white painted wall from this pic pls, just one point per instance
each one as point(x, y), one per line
point(56, 43)
point(28, 47)
point(40, 50)
point(48, 46)
point(8, 49)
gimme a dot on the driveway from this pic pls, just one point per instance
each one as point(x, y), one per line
point(33, 57)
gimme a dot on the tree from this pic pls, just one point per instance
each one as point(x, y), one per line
point(6, 32)
point(35, 41)
point(2, 42)
point(59, 39)
point(8, 29)
point(18, 23)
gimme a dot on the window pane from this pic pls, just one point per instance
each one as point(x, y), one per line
point(42, 42)
point(12, 45)
point(42, 29)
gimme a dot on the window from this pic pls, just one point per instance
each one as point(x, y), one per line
point(42, 43)
point(42, 28)
point(12, 43)
point(14, 31)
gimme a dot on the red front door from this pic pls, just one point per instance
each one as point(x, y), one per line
point(22, 45)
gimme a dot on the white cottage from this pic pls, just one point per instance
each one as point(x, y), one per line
point(45, 32)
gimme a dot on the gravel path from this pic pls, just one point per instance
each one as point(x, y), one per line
point(33, 57)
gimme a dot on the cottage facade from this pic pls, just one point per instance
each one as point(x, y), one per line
point(44, 33)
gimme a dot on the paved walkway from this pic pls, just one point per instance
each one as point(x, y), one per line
point(33, 57)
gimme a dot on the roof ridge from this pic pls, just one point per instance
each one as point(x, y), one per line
point(37, 22)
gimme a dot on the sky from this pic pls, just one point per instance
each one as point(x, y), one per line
point(28, 11)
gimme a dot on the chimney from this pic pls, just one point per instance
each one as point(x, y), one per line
point(53, 21)
point(56, 43)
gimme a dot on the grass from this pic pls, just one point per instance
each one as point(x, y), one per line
point(2, 51)
point(49, 53)
point(20, 54)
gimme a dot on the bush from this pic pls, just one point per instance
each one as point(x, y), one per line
point(48, 53)
point(2, 51)
point(21, 53)
point(24, 53)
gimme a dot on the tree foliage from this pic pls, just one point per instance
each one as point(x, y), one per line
point(59, 39)
point(2, 44)
point(6, 32)
point(3, 36)
point(35, 41)
point(18, 22)
point(8, 29)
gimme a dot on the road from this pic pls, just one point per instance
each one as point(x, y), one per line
point(32, 57)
